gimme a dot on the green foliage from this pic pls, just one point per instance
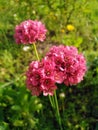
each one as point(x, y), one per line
point(19, 110)
point(56, 16)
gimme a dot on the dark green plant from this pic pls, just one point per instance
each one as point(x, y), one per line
point(18, 109)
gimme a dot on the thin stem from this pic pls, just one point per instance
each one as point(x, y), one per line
point(36, 53)
point(51, 101)
point(58, 113)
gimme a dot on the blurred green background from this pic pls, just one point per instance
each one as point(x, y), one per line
point(69, 22)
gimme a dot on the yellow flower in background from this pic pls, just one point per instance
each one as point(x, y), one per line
point(62, 30)
point(70, 27)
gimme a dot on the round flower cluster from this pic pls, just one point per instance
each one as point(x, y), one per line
point(29, 32)
point(40, 77)
point(62, 64)
point(70, 67)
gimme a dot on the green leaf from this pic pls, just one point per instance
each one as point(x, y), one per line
point(18, 123)
point(16, 108)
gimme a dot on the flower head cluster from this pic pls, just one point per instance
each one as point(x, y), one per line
point(70, 67)
point(40, 77)
point(29, 32)
point(62, 64)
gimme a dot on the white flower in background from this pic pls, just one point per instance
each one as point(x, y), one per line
point(62, 95)
point(26, 48)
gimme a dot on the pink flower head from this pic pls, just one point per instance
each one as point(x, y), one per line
point(69, 65)
point(30, 31)
point(40, 78)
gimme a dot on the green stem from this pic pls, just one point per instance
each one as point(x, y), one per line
point(51, 101)
point(58, 113)
point(51, 98)
point(36, 53)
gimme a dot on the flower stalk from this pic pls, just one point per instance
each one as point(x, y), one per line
point(36, 52)
point(51, 101)
point(58, 113)
point(54, 104)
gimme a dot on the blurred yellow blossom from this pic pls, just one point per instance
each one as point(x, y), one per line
point(62, 30)
point(70, 27)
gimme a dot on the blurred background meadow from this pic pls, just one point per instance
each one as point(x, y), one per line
point(69, 22)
